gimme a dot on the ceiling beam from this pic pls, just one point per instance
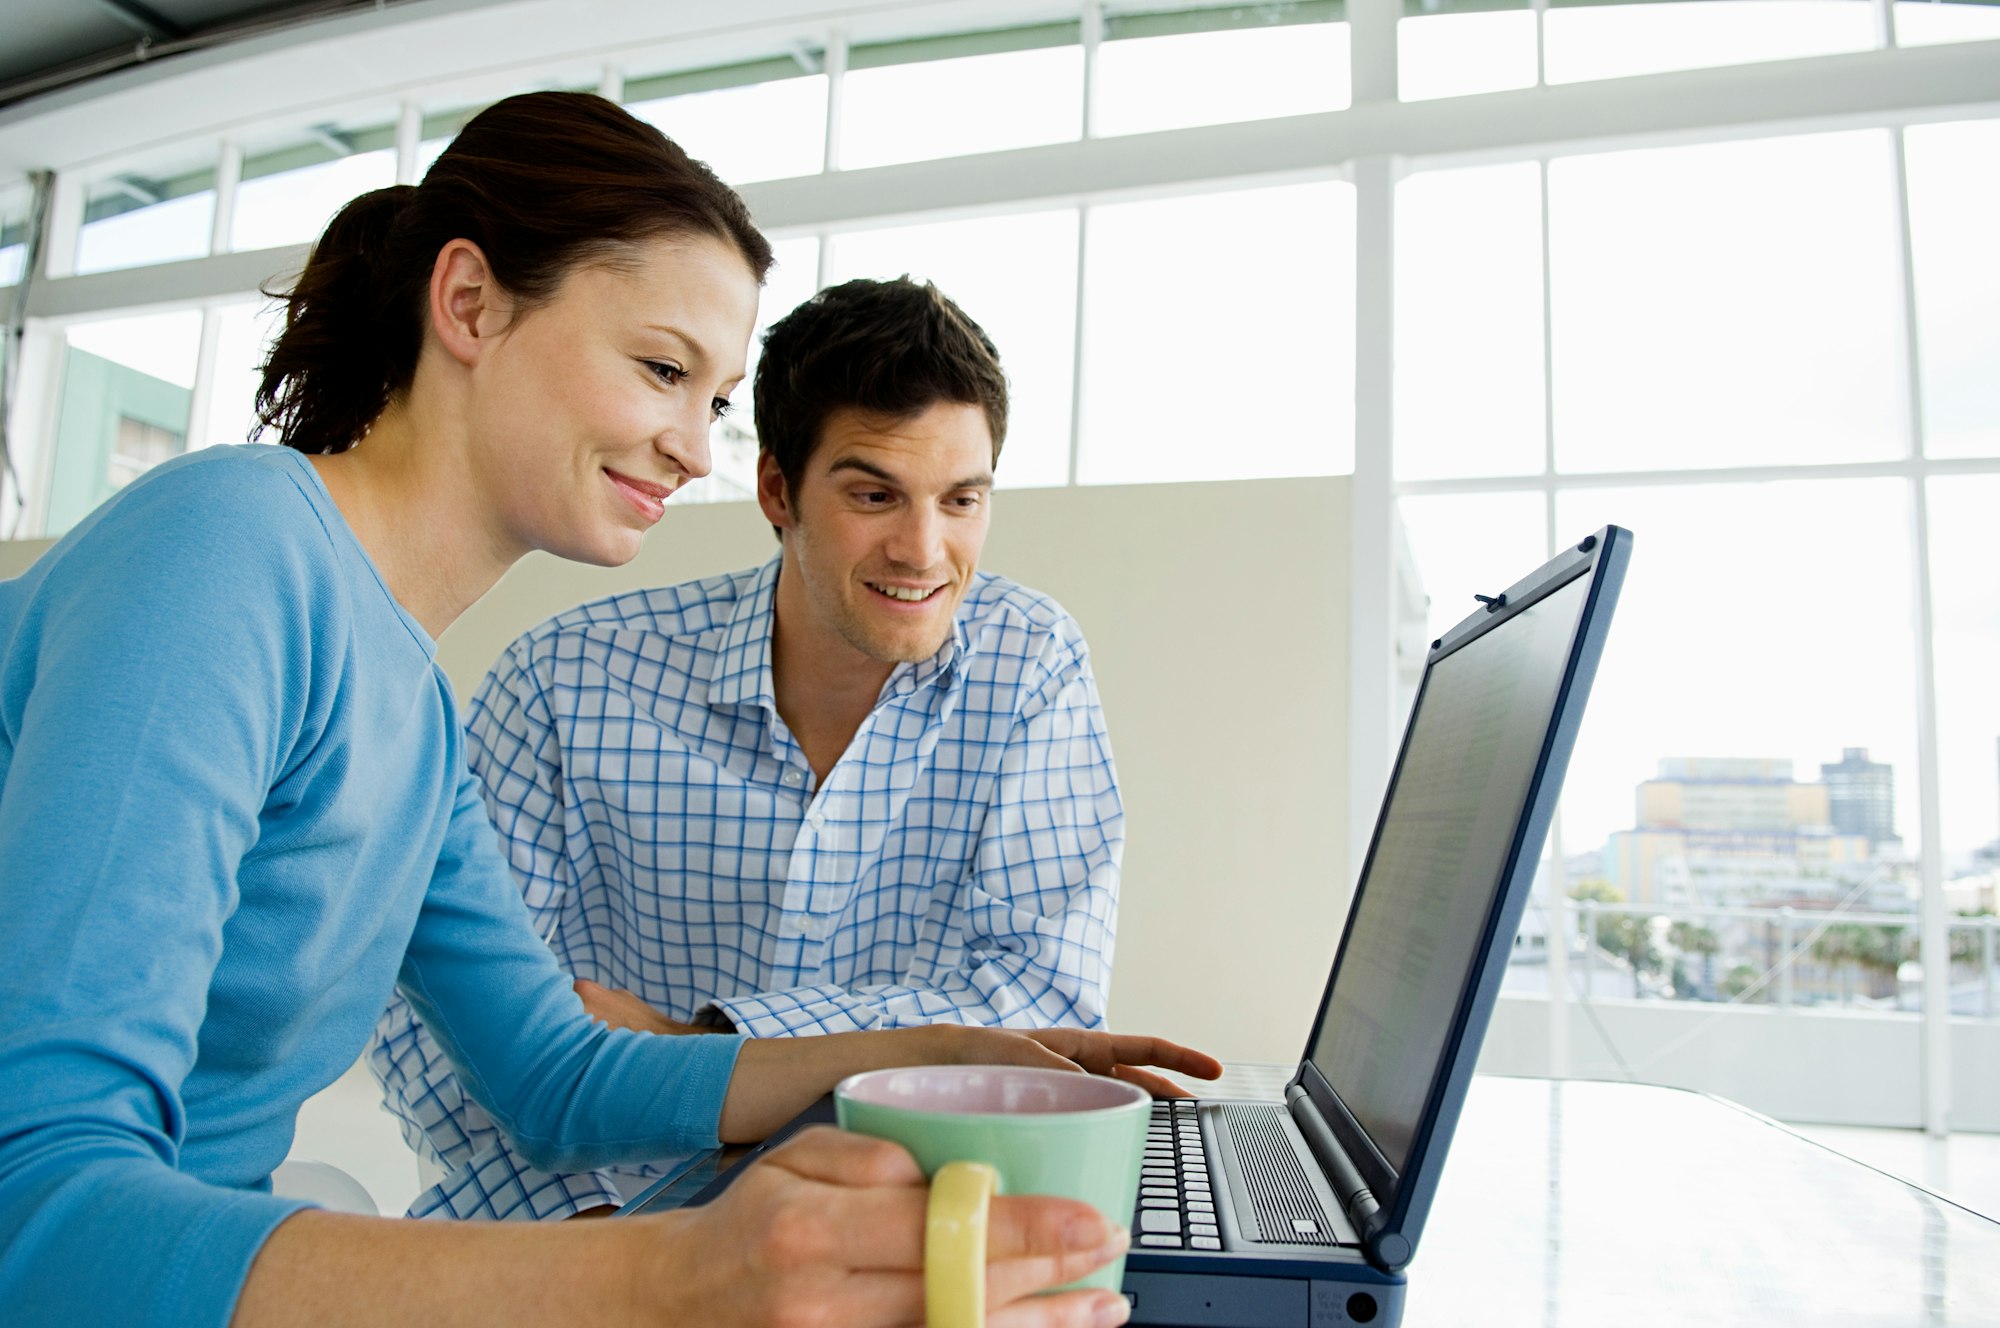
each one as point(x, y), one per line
point(145, 20)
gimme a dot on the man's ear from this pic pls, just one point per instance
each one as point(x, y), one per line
point(772, 494)
point(467, 306)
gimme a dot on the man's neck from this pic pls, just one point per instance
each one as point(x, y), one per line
point(824, 689)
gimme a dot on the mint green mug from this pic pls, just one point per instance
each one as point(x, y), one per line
point(977, 1130)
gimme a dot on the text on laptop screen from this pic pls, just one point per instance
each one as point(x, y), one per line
point(1475, 740)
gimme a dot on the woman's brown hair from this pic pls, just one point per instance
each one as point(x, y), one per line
point(542, 183)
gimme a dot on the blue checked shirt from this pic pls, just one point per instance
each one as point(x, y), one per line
point(959, 864)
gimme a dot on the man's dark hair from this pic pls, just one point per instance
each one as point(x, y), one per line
point(890, 348)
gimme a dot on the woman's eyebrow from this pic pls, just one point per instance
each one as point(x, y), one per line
point(694, 347)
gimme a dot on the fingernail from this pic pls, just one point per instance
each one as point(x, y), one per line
point(1110, 1312)
point(1121, 1241)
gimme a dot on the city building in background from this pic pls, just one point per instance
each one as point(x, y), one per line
point(1861, 797)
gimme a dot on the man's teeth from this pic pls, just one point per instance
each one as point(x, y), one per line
point(909, 594)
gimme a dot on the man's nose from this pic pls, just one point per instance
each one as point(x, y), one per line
point(918, 537)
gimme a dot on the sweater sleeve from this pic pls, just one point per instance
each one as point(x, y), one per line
point(143, 671)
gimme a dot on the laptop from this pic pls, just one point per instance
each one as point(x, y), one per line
point(1305, 1213)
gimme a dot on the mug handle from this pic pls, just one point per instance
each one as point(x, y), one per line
point(955, 1245)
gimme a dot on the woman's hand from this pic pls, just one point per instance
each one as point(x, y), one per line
point(829, 1230)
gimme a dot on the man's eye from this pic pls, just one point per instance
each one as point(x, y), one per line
point(668, 373)
point(873, 497)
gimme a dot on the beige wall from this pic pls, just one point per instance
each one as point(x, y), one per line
point(1217, 617)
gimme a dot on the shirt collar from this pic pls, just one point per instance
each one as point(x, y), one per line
point(742, 671)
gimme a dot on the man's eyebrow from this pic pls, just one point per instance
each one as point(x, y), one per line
point(983, 480)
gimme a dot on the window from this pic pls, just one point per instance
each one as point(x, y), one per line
point(1930, 23)
point(1729, 304)
point(133, 219)
point(1455, 50)
point(1168, 71)
point(753, 130)
point(127, 386)
point(243, 338)
point(1596, 41)
point(1469, 383)
point(1954, 198)
point(292, 188)
point(933, 107)
point(1219, 337)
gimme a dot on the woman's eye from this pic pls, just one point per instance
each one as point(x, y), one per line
point(718, 408)
point(666, 372)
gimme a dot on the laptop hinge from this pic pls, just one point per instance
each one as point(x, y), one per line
point(1355, 1196)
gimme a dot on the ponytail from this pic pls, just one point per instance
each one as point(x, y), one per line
point(353, 326)
point(541, 183)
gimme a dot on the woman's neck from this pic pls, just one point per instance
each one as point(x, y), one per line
point(404, 490)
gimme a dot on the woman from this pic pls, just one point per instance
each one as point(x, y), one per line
point(233, 811)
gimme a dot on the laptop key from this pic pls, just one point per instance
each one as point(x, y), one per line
point(1160, 1242)
point(1202, 1229)
point(1159, 1220)
point(1205, 1243)
point(1158, 1203)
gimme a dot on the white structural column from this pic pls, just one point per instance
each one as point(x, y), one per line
point(1371, 666)
point(1934, 949)
point(1557, 911)
point(410, 138)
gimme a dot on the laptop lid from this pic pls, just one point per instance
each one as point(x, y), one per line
point(1447, 875)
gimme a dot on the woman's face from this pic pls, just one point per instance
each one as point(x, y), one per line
point(591, 409)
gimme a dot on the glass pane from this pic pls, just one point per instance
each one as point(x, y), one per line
point(1928, 23)
point(1740, 667)
point(732, 443)
point(1016, 277)
point(1192, 78)
point(764, 131)
point(127, 385)
point(1219, 337)
point(1954, 208)
point(15, 204)
point(1729, 304)
point(242, 341)
point(948, 108)
point(1456, 55)
point(132, 220)
point(1965, 598)
point(1469, 383)
point(292, 206)
point(1470, 544)
point(1619, 40)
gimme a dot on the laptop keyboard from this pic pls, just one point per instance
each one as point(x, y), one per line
point(1176, 1204)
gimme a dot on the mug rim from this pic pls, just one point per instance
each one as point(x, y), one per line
point(845, 1091)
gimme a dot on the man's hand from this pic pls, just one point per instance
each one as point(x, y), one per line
point(829, 1229)
point(621, 1009)
point(1116, 1055)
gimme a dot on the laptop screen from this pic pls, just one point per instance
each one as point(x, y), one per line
point(1475, 740)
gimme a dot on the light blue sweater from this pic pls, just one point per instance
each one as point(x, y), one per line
point(233, 814)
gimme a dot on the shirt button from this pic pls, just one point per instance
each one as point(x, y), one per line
point(818, 820)
point(794, 777)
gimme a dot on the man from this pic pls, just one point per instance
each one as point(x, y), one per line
point(862, 786)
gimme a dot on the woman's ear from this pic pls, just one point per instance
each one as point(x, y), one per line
point(466, 303)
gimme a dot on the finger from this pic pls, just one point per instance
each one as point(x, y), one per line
point(1009, 1279)
point(837, 1157)
point(1099, 1052)
point(1071, 1309)
point(1157, 1085)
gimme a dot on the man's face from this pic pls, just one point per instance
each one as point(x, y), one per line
point(883, 533)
